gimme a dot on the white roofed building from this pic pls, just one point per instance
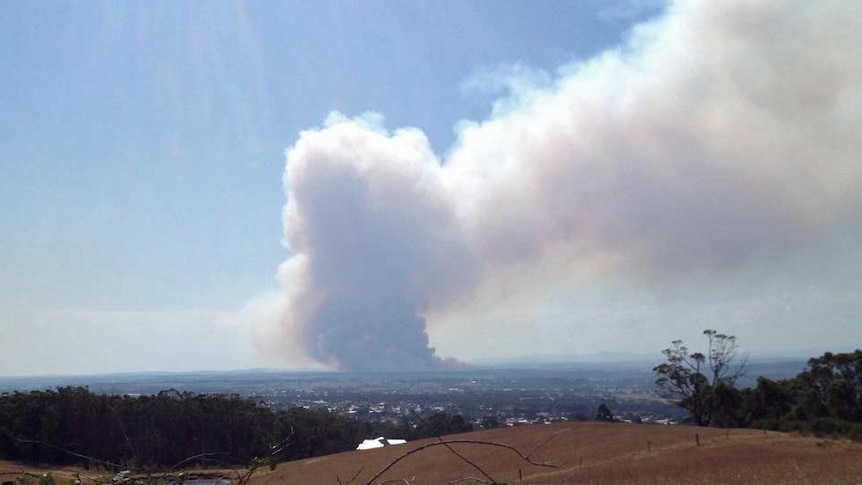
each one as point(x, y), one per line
point(379, 443)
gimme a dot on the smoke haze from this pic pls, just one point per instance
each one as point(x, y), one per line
point(720, 134)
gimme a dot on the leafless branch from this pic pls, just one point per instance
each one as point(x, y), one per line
point(561, 482)
point(279, 447)
point(123, 430)
point(450, 442)
point(473, 479)
point(546, 441)
point(64, 450)
point(351, 480)
point(464, 459)
point(198, 457)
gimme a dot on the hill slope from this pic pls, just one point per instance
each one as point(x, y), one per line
point(595, 453)
point(584, 453)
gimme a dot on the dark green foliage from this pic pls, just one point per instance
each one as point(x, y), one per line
point(56, 425)
point(489, 422)
point(836, 384)
point(603, 413)
point(72, 425)
point(825, 399)
point(770, 400)
point(441, 423)
point(725, 401)
point(313, 433)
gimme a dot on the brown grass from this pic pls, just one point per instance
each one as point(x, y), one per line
point(586, 453)
point(599, 453)
point(9, 471)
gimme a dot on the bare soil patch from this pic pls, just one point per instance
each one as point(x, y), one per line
point(10, 470)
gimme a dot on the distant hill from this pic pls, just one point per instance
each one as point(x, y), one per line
point(636, 367)
point(557, 359)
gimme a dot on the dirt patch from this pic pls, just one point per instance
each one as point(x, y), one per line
point(10, 471)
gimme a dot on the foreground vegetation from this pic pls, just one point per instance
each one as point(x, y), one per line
point(585, 453)
point(592, 453)
point(824, 399)
point(73, 426)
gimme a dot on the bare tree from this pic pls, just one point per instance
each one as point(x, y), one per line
point(689, 379)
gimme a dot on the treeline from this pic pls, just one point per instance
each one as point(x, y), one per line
point(824, 399)
point(71, 425)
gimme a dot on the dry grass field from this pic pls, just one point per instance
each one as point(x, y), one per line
point(597, 453)
point(584, 453)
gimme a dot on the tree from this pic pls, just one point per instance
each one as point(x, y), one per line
point(603, 413)
point(440, 423)
point(690, 379)
point(726, 404)
point(767, 403)
point(490, 421)
point(835, 384)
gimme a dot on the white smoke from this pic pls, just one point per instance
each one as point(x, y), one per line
point(721, 133)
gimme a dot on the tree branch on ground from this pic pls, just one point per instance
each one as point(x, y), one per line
point(337, 478)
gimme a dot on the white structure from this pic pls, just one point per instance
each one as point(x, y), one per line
point(378, 443)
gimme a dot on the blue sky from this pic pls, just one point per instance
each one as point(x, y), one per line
point(144, 144)
point(143, 150)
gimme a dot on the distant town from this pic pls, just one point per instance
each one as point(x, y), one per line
point(486, 397)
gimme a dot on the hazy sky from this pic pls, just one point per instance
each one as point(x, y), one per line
point(221, 185)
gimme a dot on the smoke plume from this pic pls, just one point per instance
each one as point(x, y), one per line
point(721, 133)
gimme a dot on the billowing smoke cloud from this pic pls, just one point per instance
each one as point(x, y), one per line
point(722, 133)
point(376, 242)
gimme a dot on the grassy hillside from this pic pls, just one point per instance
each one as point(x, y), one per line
point(597, 453)
point(584, 453)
